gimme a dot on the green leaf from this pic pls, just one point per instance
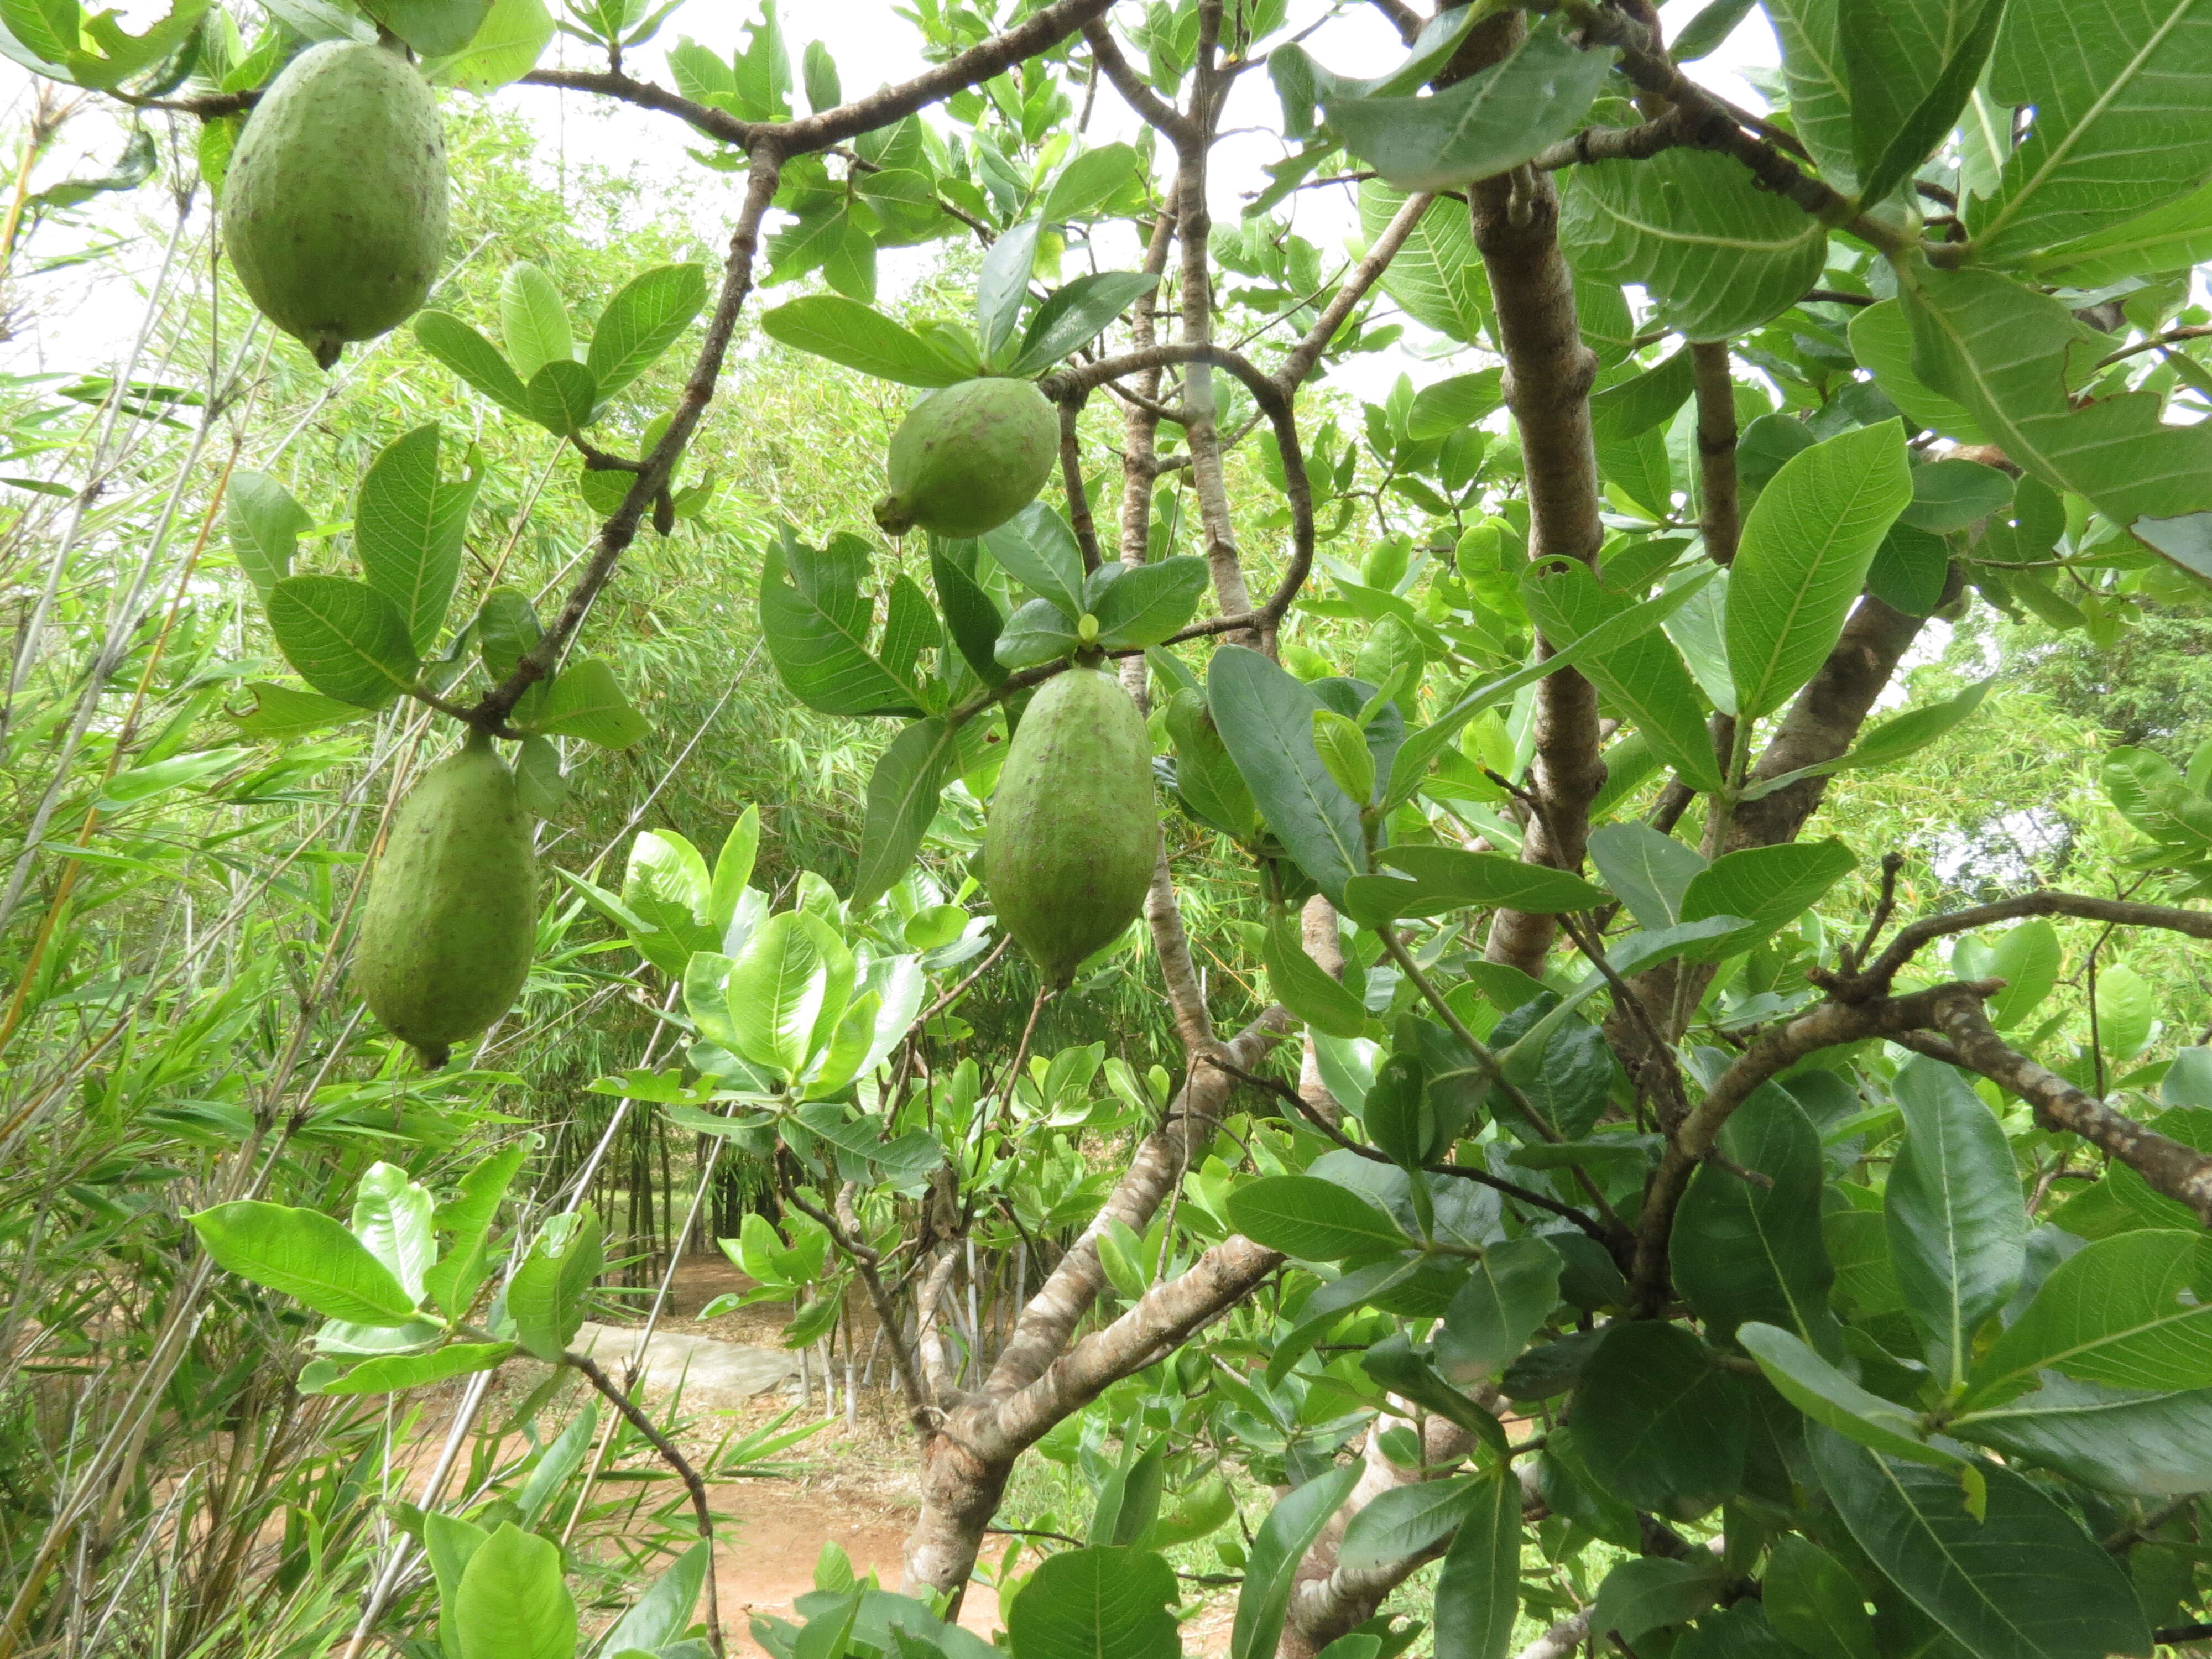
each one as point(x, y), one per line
point(585, 701)
point(1810, 35)
point(539, 784)
point(2170, 238)
point(1648, 871)
point(1437, 278)
point(2027, 959)
point(1957, 1226)
point(1404, 1521)
point(1658, 1423)
point(430, 27)
point(1266, 721)
point(391, 1218)
point(662, 1614)
point(2010, 354)
point(1889, 742)
point(1769, 887)
point(1303, 986)
point(1743, 1252)
point(346, 640)
point(2106, 143)
point(1949, 495)
point(452, 1282)
point(816, 621)
point(546, 1298)
point(1103, 1602)
point(2129, 1312)
point(285, 711)
point(1813, 1602)
point(264, 523)
point(860, 337)
point(1039, 550)
point(1641, 1595)
point(1704, 34)
point(1717, 254)
point(562, 396)
point(533, 320)
point(647, 316)
point(1636, 405)
point(307, 1255)
point(1446, 879)
point(513, 1602)
point(1478, 1591)
point(1807, 545)
point(505, 47)
point(1003, 285)
point(1511, 1293)
point(1342, 746)
point(471, 356)
point(451, 1543)
point(1310, 1219)
point(1038, 633)
point(1071, 316)
point(1270, 1570)
point(414, 1370)
point(1089, 178)
point(1206, 777)
point(903, 795)
point(408, 529)
point(788, 990)
point(1642, 680)
point(1910, 65)
point(1148, 602)
point(2023, 1581)
point(2119, 1441)
point(1827, 1395)
point(1881, 339)
point(1488, 123)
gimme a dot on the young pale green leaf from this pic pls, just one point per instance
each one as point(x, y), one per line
point(1106, 1602)
point(1447, 405)
point(586, 702)
point(1769, 887)
point(1271, 1570)
point(394, 1372)
point(1303, 986)
point(507, 631)
point(451, 1543)
point(1948, 495)
point(505, 48)
point(1881, 339)
point(344, 638)
point(307, 1255)
point(646, 317)
point(1957, 1226)
point(784, 988)
point(1890, 742)
point(1648, 871)
point(409, 524)
point(533, 320)
point(1266, 722)
point(1343, 749)
point(1718, 254)
point(391, 1218)
point(474, 358)
point(1089, 179)
point(430, 27)
point(1488, 123)
point(860, 337)
point(1312, 1220)
point(2105, 145)
point(1806, 543)
point(2027, 959)
point(546, 1298)
point(538, 782)
point(903, 795)
point(467, 1217)
point(1810, 35)
point(264, 523)
point(2023, 1581)
point(512, 1601)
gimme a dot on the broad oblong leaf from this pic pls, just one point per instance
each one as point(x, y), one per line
point(307, 1255)
point(1313, 1219)
point(546, 1298)
point(2129, 1312)
point(1149, 602)
point(1739, 1251)
point(1283, 1540)
point(408, 528)
point(860, 337)
point(265, 523)
point(1479, 1590)
point(344, 638)
point(512, 1601)
point(644, 319)
point(1266, 721)
point(1106, 1602)
point(1658, 1422)
point(1769, 887)
point(903, 795)
point(816, 621)
point(471, 356)
point(585, 700)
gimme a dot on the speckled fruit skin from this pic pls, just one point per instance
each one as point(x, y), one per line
point(968, 458)
point(1072, 838)
point(452, 919)
point(334, 206)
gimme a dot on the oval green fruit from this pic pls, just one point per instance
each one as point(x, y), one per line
point(452, 919)
point(334, 205)
point(968, 458)
point(1072, 839)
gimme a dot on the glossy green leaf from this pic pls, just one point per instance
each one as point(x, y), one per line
point(408, 527)
point(1658, 1422)
point(2117, 1440)
point(562, 396)
point(1479, 1589)
point(648, 315)
point(1827, 1395)
point(585, 701)
point(1437, 277)
point(1910, 66)
point(1103, 1602)
point(1640, 1595)
point(344, 638)
point(306, 1255)
point(2129, 1312)
point(860, 337)
point(1451, 878)
point(1270, 1570)
point(546, 1298)
point(265, 523)
point(902, 796)
point(1402, 1522)
point(1303, 986)
point(512, 1601)
point(1266, 722)
point(816, 621)
point(1769, 887)
point(1310, 1219)
point(1814, 1603)
point(1073, 316)
point(1510, 1293)
point(1744, 1252)
point(1149, 602)
point(505, 48)
point(1649, 873)
point(394, 1372)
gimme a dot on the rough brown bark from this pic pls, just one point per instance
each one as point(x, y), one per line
point(1717, 515)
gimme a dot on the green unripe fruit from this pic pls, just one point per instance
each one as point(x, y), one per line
point(452, 917)
point(334, 206)
point(967, 458)
point(1072, 838)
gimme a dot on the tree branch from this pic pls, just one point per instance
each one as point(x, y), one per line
point(1874, 979)
point(1717, 513)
